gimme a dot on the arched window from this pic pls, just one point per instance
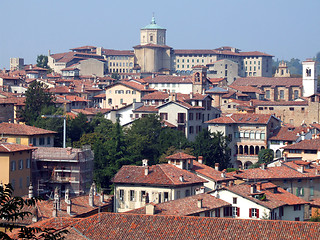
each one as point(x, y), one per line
point(257, 150)
point(251, 150)
point(240, 149)
point(246, 150)
point(236, 147)
point(278, 154)
point(247, 164)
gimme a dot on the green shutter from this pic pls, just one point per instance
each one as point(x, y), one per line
point(302, 191)
point(297, 191)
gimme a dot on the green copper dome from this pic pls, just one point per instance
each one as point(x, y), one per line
point(153, 25)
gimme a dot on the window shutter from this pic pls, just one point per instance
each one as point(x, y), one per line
point(302, 191)
point(257, 212)
point(250, 212)
point(297, 192)
point(238, 212)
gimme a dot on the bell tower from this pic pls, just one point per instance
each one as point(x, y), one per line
point(199, 79)
point(153, 33)
point(309, 78)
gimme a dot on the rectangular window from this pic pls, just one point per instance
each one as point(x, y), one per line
point(20, 182)
point(178, 194)
point(311, 191)
point(164, 116)
point(217, 212)
point(187, 193)
point(191, 130)
point(34, 142)
point(166, 196)
point(13, 166)
point(18, 140)
point(131, 195)
point(262, 136)
point(254, 212)
point(281, 94)
point(121, 194)
point(41, 141)
point(234, 200)
point(190, 116)
point(28, 181)
point(235, 211)
point(48, 140)
point(20, 164)
point(297, 207)
point(268, 94)
point(143, 193)
point(246, 134)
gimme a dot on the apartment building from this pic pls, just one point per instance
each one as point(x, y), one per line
point(249, 133)
point(15, 162)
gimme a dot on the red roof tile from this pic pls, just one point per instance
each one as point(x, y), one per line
point(186, 206)
point(310, 144)
point(12, 147)
point(180, 156)
point(21, 129)
point(210, 172)
point(248, 118)
point(267, 81)
point(162, 174)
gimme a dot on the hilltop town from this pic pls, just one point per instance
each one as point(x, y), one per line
point(156, 142)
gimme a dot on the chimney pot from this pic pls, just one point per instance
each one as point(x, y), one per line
point(199, 203)
point(259, 186)
point(30, 195)
point(146, 170)
point(216, 166)
point(181, 178)
point(200, 159)
point(150, 209)
point(252, 188)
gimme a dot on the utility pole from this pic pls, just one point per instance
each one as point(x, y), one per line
point(64, 125)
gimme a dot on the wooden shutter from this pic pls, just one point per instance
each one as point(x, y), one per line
point(257, 212)
point(238, 212)
point(250, 212)
point(297, 192)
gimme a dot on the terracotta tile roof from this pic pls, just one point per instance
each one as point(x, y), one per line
point(112, 52)
point(215, 80)
point(146, 108)
point(12, 147)
point(102, 95)
point(170, 79)
point(249, 118)
point(257, 103)
point(315, 125)
point(186, 206)
point(84, 47)
point(274, 198)
point(248, 89)
point(80, 206)
point(315, 202)
point(75, 98)
point(180, 156)
point(159, 175)
point(287, 133)
point(210, 172)
point(195, 51)
point(167, 124)
point(134, 226)
point(267, 81)
point(254, 53)
point(54, 153)
point(151, 45)
point(60, 89)
point(158, 95)
point(21, 129)
point(310, 144)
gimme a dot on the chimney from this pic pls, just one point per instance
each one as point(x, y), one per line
point(181, 178)
point(91, 197)
point(263, 166)
point(259, 186)
point(252, 188)
point(191, 95)
point(300, 168)
point(313, 136)
point(200, 159)
point(69, 150)
point(54, 212)
point(35, 216)
point(67, 195)
point(146, 170)
point(102, 196)
point(57, 198)
point(94, 189)
point(318, 162)
point(231, 183)
point(216, 166)
point(223, 184)
point(145, 162)
point(199, 203)
point(150, 209)
point(69, 206)
point(30, 195)
point(223, 173)
point(202, 189)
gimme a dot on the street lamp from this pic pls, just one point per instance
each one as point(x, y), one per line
point(64, 125)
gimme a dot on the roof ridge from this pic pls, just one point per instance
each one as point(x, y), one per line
point(160, 166)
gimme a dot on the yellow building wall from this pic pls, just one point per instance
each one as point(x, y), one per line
point(24, 140)
point(127, 98)
point(17, 176)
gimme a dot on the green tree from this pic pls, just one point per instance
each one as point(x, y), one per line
point(265, 156)
point(213, 147)
point(37, 98)
point(142, 139)
point(12, 209)
point(77, 127)
point(42, 61)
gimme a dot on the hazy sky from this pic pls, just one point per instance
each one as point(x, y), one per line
point(285, 29)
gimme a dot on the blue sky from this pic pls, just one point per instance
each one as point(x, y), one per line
point(285, 29)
